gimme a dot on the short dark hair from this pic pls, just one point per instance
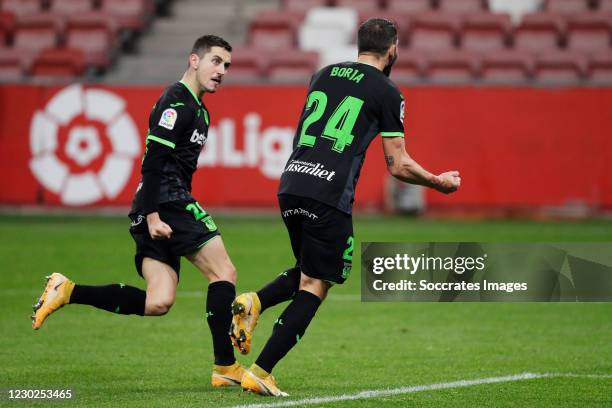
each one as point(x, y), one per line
point(206, 42)
point(376, 35)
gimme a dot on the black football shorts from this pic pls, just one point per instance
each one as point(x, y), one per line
point(192, 227)
point(321, 237)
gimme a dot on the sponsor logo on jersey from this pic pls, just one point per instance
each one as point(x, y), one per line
point(312, 169)
point(402, 107)
point(199, 138)
point(299, 211)
point(168, 119)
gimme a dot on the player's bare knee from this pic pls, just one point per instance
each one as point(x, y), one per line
point(315, 286)
point(158, 307)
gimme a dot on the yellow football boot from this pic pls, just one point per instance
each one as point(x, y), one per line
point(57, 294)
point(257, 380)
point(227, 376)
point(245, 308)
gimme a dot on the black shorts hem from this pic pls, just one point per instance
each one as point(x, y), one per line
point(139, 258)
point(205, 241)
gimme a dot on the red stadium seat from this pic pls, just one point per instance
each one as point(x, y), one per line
point(483, 32)
point(590, 32)
point(130, 14)
point(293, 66)
point(567, 7)
point(94, 39)
point(560, 66)
point(96, 19)
point(539, 32)
point(359, 5)
point(452, 66)
point(604, 6)
point(11, 65)
point(22, 7)
point(274, 30)
point(409, 67)
point(600, 67)
point(35, 34)
point(248, 64)
point(434, 32)
point(462, 6)
point(409, 6)
point(303, 5)
point(7, 26)
point(70, 7)
point(59, 63)
point(506, 66)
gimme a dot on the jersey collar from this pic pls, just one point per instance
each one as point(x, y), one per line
point(199, 102)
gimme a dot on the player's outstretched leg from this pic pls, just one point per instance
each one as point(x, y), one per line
point(115, 298)
point(55, 295)
point(247, 307)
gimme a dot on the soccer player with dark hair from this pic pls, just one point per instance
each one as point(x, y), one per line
point(167, 222)
point(347, 105)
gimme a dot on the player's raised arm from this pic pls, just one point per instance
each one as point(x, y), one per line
point(405, 168)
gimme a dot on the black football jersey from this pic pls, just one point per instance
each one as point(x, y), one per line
point(347, 105)
point(178, 128)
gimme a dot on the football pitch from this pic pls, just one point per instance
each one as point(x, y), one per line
point(405, 354)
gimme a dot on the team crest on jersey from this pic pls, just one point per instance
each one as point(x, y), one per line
point(168, 118)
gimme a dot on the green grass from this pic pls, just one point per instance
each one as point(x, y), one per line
point(128, 361)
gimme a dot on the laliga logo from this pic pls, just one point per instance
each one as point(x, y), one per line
point(83, 145)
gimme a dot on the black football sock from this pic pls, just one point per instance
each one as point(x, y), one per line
point(219, 300)
point(281, 289)
point(116, 298)
point(288, 329)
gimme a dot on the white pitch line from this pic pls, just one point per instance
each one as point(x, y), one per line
point(417, 388)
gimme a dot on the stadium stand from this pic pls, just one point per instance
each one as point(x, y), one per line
point(434, 31)
point(539, 31)
point(327, 27)
point(483, 32)
point(408, 7)
point(452, 66)
point(589, 32)
point(604, 6)
point(292, 66)
point(462, 6)
point(56, 63)
point(410, 66)
point(488, 41)
point(567, 7)
point(21, 8)
point(560, 66)
point(516, 8)
point(506, 66)
point(600, 68)
point(274, 30)
point(302, 5)
point(70, 7)
point(11, 65)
